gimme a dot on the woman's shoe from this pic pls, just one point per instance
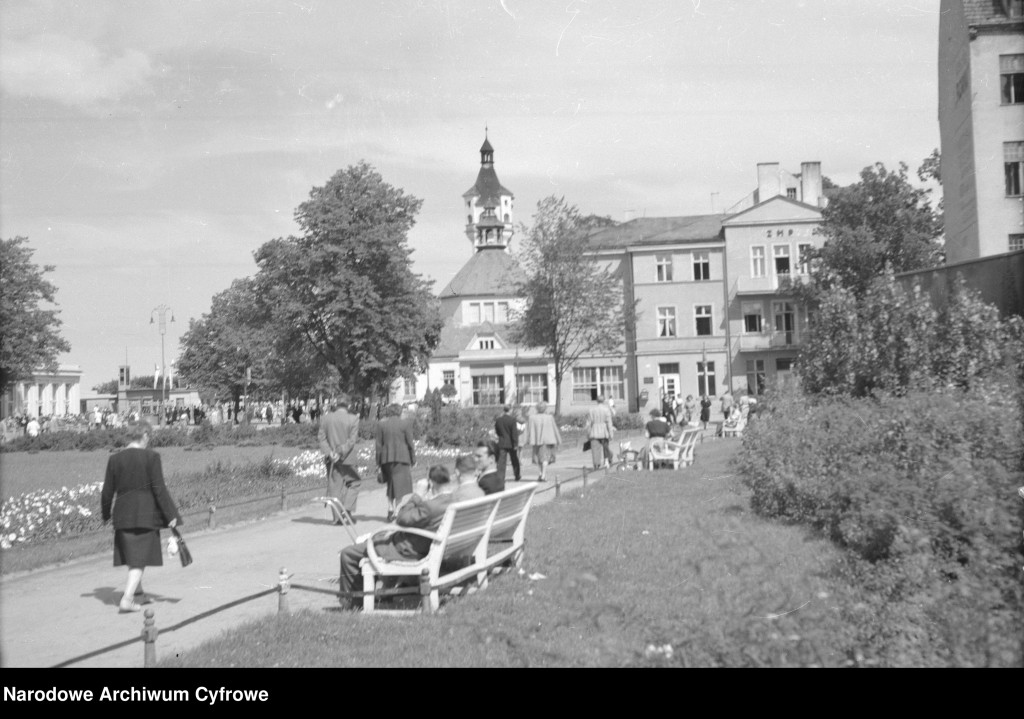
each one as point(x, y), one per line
point(128, 608)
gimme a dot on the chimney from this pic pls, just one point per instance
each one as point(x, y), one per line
point(810, 183)
point(767, 180)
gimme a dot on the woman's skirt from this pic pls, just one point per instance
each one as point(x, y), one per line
point(543, 453)
point(137, 548)
point(398, 477)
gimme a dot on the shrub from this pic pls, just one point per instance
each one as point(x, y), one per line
point(921, 490)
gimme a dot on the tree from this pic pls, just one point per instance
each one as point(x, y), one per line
point(29, 335)
point(233, 337)
point(880, 222)
point(343, 295)
point(572, 305)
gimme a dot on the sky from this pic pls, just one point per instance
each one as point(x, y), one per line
point(148, 147)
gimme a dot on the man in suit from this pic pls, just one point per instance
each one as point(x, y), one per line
point(599, 431)
point(338, 435)
point(507, 430)
point(486, 454)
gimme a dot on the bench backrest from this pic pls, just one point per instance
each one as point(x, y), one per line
point(468, 526)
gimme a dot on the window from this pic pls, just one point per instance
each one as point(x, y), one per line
point(785, 321)
point(783, 364)
point(589, 382)
point(757, 261)
point(666, 322)
point(701, 265)
point(533, 388)
point(702, 313)
point(664, 263)
point(802, 264)
point(753, 317)
point(448, 377)
point(706, 378)
point(410, 387)
point(755, 376)
point(1016, 242)
point(781, 253)
point(791, 193)
point(1013, 166)
point(1011, 77)
point(486, 344)
point(488, 389)
point(478, 312)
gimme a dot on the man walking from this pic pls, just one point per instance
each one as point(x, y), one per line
point(338, 434)
point(507, 430)
point(599, 431)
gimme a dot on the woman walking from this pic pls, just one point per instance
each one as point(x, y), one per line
point(134, 488)
point(705, 410)
point(396, 454)
point(543, 434)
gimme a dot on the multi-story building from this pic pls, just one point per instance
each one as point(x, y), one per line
point(712, 311)
point(981, 122)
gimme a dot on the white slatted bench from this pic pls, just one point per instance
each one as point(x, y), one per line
point(476, 537)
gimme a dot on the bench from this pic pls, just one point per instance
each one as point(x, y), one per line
point(677, 453)
point(476, 538)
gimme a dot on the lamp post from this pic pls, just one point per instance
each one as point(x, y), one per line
point(161, 312)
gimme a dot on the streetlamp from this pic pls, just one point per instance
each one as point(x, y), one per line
point(161, 311)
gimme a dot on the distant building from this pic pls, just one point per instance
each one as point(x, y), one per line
point(45, 393)
point(981, 122)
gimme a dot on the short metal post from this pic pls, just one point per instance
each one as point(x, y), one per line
point(425, 591)
point(149, 635)
point(284, 499)
point(282, 591)
point(212, 520)
point(558, 487)
point(585, 473)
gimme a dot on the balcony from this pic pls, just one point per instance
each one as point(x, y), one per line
point(768, 285)
point(767, 341)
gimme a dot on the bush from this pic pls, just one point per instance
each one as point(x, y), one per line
point(921, 490)
point(460, 427)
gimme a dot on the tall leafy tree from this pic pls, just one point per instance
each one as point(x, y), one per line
point(29, 332)
point(343, 295)
point(572, 305)
point(232, 337)
point(880, 222)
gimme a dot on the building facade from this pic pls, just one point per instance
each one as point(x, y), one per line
point(45, 394)
point(713, 314)
point(981, 123)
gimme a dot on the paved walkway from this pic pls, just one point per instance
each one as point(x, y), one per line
point(63, 614)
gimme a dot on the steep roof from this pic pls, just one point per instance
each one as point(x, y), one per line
point(487, 187)
point(658, 231)
point(489, 272)
point(456, 338)
point(988, 12)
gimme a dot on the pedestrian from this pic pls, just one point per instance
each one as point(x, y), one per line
point(600, 430)
point(396, 455)
point(542, 433)
point(507, 429)
point(337, 435)
point(705, 410)
point(135, 498)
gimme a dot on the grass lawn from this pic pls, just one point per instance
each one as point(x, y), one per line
point(664, 568)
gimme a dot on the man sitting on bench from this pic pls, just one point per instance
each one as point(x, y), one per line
point(418, 513)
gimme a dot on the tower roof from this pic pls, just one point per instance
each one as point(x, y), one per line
point(489, 272)
point(488, 189)
point(486, 147)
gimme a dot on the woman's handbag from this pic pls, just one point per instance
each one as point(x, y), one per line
point(586, 446)
point(183, 551)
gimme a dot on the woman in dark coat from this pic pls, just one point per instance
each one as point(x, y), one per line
point(396, 454)
point(705, 410)
point(134, 487)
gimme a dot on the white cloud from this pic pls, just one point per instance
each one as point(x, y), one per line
point(70, 71)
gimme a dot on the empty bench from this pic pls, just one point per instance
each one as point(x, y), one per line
point(476, 537)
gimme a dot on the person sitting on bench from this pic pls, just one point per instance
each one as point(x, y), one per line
point(418, 513)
